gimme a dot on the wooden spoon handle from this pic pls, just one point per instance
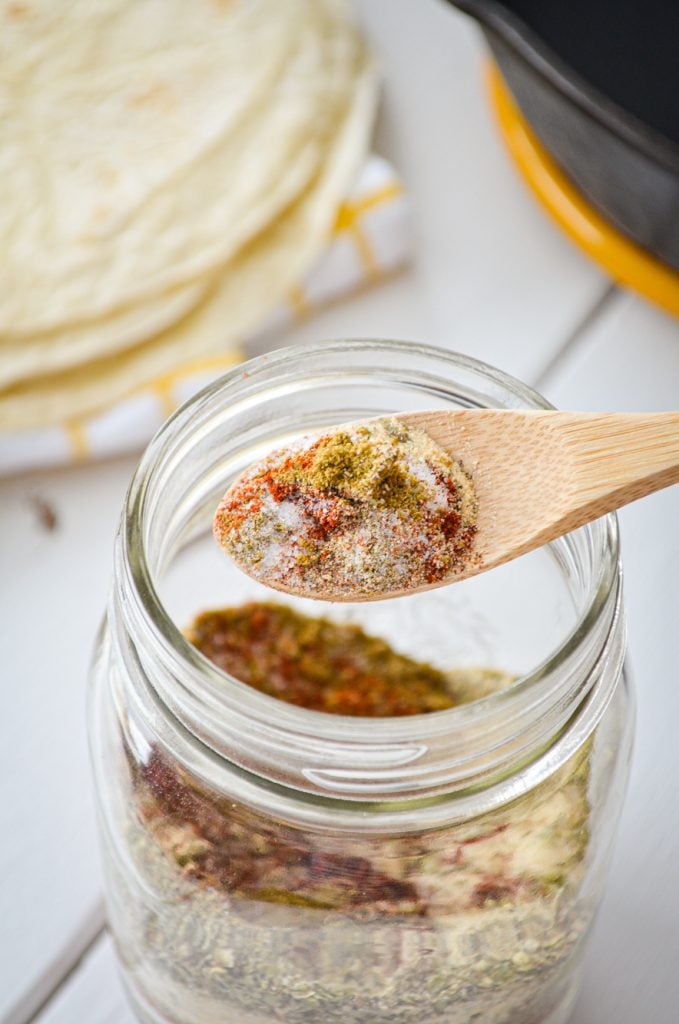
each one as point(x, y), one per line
point(540, 474)
point(619, 457)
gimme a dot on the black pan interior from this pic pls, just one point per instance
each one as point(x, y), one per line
point(628, 49)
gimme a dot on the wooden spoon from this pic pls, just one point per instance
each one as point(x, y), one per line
point(539, 475)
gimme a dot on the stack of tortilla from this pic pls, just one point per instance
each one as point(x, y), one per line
point(169, 170)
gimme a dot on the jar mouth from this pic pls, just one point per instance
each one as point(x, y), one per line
point(472, 745)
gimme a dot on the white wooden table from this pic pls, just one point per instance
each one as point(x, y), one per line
point(493, 278)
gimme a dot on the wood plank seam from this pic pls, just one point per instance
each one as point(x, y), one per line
point(38, 999)
point(576, 338)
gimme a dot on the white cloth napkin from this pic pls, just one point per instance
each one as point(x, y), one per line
point(370, 240)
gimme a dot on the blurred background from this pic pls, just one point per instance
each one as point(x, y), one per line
point(504, 185)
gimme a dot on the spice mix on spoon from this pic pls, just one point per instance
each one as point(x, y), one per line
point(364, 510)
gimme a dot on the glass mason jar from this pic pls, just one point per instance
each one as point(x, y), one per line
point(265, 862)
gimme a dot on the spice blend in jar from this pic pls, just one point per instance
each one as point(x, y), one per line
point(483, 906)
point(368, 509)
point(316, 663)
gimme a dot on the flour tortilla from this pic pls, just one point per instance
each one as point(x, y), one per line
point(145, 142)
point(71, 346)
point(243, 290)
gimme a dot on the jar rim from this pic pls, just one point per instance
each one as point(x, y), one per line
point(394, 753)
